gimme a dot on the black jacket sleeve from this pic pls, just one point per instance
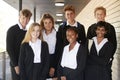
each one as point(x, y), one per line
point(22, 62)
point(91, 31)
point(10, 45)
point(82, 35)
point(45, 61)
point(112, 36)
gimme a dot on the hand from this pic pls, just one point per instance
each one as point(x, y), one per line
point(51, 72)
point(63, 78)
point(17, 70)
point(54, 79)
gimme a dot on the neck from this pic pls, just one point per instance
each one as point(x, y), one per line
point(48, 31)
point(33, 40)
point(99, 39)
point(100, 20)
point(71, 22)
point(72, 45)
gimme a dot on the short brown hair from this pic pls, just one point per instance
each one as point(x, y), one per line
point(100, 8)
point(26, 13)
point(69, 8)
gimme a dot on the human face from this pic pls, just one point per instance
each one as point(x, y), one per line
point(35, 33)
point(69, 15)
point(71, 36)
point(100, 32)
point(48, 25)
point(23, 20)
point(100, 15)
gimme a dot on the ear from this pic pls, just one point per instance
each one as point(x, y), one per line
point(77, 35)
point(106, 32)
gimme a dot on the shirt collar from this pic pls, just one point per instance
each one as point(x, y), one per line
point(38, 41)
point(75, 24)
point(20, 26)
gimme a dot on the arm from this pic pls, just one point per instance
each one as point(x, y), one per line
point(22, 63)
point(91, 31)
point(45, 61)
point(59, 71)
point(112, 36)
point(60, 68)
point(59, 46)
point(10, 43)
point(81, 59)
point(82, 35)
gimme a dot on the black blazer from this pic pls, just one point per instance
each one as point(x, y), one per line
point(99, 66)
point(81, 62)
point(62, 40)
point(26, 61)
point(111, 35)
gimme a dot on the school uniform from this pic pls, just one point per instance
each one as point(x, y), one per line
point(15, 35)
point(51, 41)
point(98, 65)
point(111, 34)
point(34, 60)
point(62, 40)
point(73, 62)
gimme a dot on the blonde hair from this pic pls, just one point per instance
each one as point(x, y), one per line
point(69, 8)
point(46, 16)
point(28, 34)
point(100, 8)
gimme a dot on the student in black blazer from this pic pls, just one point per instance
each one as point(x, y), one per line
point(49, 35)
point(100, 14)
point(62, 41)
point(73, 60)
point(34, 55)
point(98, 65)
point(15, 35)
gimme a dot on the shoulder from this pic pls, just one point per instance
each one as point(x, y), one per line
point(92, 25)
point(84, 46)
point(44, 43)
point(63, 24)
point(79, 24)
point(110, 25)
point(13, 28)
point(109, 44)
point(24, 44)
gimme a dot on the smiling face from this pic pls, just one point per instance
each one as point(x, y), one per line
point(48, 25)
point(69, 15)
point(100, 31)
point(23, 20)
point(35, 33)
point(71, 36)
point(100, 15)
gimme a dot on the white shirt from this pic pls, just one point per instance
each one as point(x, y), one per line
point(51, 40)
point(100, 45)
point(36, 47)
point(75, 24)
point(69, 58)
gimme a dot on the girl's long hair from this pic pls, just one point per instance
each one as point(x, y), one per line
point(28, 37)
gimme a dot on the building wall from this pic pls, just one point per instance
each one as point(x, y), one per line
point(86, 17)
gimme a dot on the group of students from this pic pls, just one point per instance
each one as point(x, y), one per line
point(41, 52)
